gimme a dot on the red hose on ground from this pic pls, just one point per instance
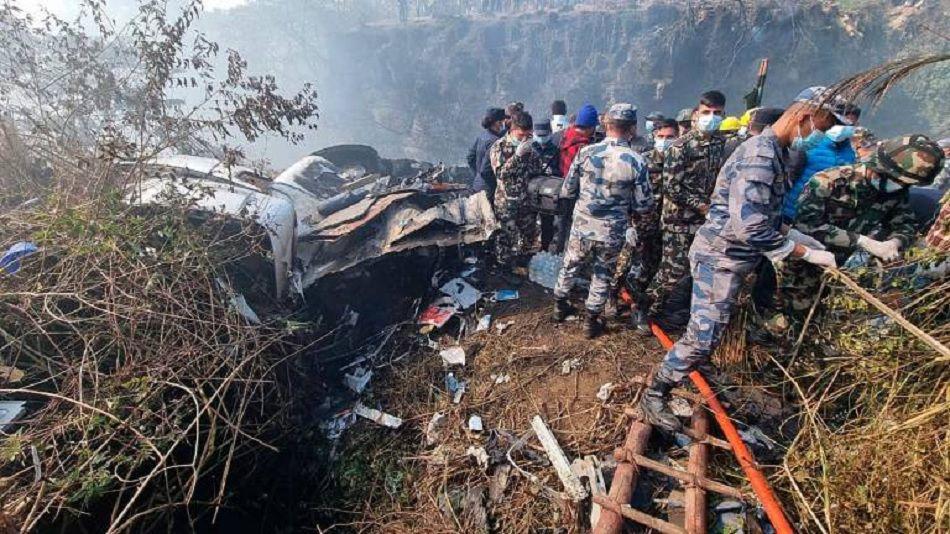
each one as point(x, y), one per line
point(760, 485)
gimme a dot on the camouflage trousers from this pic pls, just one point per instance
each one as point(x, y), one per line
point(517, 232)
point(637, 265)
point(797, 286)
point(673, 268)
point(603, 256)
point(715, 293)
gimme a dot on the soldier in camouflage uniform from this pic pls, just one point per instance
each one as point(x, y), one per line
point(609, 181)
point(863, 206)
point(689, 172)
point(743, 227)
point(515, 161)
point(641, 258)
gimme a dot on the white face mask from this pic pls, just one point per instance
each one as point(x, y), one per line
point(743, 130)
point(708, 123)
point(662, 143)
point(542, 139)
point(648, 125)
point(838, 132)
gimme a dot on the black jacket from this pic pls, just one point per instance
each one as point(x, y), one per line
point(480, 165)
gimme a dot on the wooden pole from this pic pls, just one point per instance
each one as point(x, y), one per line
point(893, 314)
point(633, 514)
point(698, 462)
point(687, 477)
point(625, 478)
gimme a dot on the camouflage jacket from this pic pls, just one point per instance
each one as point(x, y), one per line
point(840, 204)
point(512, 172)
point(609, 180)
point(745, 213)
point(689, 172)
point(649, 223)
point(939, 235)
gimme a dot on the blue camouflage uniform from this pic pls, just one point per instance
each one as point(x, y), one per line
point(610, 182)
point(743, 225)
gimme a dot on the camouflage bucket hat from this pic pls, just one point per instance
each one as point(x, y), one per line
point(910, 160)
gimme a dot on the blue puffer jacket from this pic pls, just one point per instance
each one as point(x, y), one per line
point(826, 155)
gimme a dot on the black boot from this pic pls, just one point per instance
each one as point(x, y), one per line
point(563, 309)
point(656, 407)
point(611, 308)
point(594, 326)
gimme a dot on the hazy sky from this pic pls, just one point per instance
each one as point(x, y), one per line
point(68, 8)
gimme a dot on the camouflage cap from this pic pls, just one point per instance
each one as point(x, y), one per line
point(820, 97)
point(622, 113)
point(910, 159)
point(655, 116)
point(685, 115)
point(864, 138)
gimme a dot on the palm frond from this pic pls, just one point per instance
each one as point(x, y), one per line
point(874, 83)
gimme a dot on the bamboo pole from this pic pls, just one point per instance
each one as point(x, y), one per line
point(625, 479)
point(698, 463)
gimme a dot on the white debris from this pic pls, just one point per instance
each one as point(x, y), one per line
point(590, 471)
point(377, 416)
point(457, 395)
point(240, 305)
point(453, 356)
point(464, 294)
point(480, 455)
point(680, 407)
point(483, 323)
point(605, 390)
point(569, 365)
point(475, 423)
point(501, 379)
point(435, 428)
point(358, 379)
point(501, 327)
point(572, 484)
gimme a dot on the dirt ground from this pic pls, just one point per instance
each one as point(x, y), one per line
point(394, 481)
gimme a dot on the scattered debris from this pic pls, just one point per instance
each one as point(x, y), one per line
point(590, 470)
point(463, 293)
point(435, 428)
point(484, 323)
point(754, 437)
point(377, 416)
point(453, 356)
point(558, 459)
point(334, 427)
point(605, 390)
point(681, 407)
point(439, 312)
point(503, 295)
point(570, 365)
point(474, 517)
point(9, 411)
point(10, 261)
point(501, 379)
point(499, 483)
point(240, 305)
point(475, 423)
point(730, 517)
point(480, 455)
point(358, 379)
point(502, 326)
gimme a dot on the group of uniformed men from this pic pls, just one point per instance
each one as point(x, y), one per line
point(680, 218)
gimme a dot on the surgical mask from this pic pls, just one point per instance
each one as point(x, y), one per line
point(708, 123)
point(648, 125)
point(662, 143)
point(889, 186)
point(542, 139)
point(807, 143)
point(743, 130)
point(839, 133)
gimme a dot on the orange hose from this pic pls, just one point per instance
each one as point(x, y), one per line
point(760, 485)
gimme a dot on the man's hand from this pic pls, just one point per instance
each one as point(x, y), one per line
point(886, 250)
point(821, 258)
point(523, 148)
point(805, 239)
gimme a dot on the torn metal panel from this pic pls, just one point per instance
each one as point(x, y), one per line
point(390, 223)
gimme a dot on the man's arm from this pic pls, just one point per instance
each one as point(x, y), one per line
point(812, 218)
point(472, 157)
point(642, 200)
point(750, 205)
point(903, 223)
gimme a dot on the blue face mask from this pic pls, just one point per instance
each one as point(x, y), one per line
point(807, 143)
point(840, 132)
point(648, 125)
